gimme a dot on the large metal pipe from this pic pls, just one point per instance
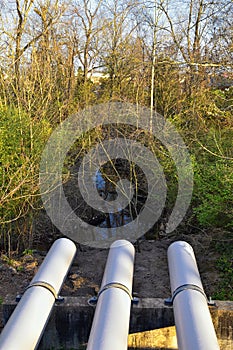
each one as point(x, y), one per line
point(26, 325)
point(194, 327)
point(110, 326)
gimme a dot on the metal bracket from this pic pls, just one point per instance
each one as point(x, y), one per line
point(115, 285)
point(45, 285)
point(211, 302)
point(93, 301)
point(135, 300)
point(169, 301)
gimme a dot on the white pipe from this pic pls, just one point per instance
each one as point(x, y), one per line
point(110, 326)
point(26, 325)
point(194, 327)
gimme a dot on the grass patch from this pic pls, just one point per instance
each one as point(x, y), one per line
point(224, 265)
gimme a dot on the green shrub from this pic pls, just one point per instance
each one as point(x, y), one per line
point(21, 141)
point(225, 267)
point(213, 200)
point(213, 188)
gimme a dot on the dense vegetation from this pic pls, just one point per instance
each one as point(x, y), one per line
point(175, 57)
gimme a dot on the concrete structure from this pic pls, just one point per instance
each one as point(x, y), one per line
point(151, 324)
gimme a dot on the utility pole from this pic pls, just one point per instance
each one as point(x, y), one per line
point(154, 44)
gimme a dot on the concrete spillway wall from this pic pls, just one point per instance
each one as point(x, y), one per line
point(151, 324)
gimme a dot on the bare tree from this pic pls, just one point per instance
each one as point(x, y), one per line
point(190, 31)
point(86, 13)
point(118, 40)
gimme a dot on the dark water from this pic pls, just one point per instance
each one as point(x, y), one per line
point(44, 230)
point(122, 217)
